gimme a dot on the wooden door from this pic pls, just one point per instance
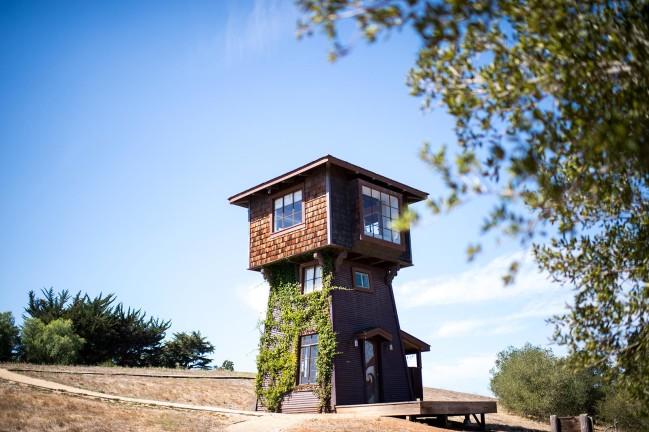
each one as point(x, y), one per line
point(371, 371)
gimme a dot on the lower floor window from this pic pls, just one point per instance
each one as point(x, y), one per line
point(308, 357)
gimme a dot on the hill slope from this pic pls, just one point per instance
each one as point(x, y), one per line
point(25, 407)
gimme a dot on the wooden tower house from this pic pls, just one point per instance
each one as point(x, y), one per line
point(323, 237)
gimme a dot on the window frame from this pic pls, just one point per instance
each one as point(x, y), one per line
point(356, 269)
point(366, 237)
point(292, 228)
point(303, 268)
point(300, 357)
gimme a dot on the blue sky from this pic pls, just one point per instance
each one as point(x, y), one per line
point(125, 126)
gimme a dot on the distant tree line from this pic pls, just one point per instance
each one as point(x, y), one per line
point(533, 382)
point(62, 329)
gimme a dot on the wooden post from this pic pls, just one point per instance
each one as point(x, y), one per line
point(555, 426)
point(583, 423)
point(586, 423)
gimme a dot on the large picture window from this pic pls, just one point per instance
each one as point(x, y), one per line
point(308, 357)
point(380, 209)
point(287, 210)
point(311, 278)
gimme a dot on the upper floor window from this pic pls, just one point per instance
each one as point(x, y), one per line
point(361, 279)
point(308, 357)
point(311, 279)
point(380, 209)
point(288, 210)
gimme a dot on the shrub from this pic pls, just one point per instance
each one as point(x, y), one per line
point(618, 405)
point(8, 336)
point(533, 382)
point(53, 343)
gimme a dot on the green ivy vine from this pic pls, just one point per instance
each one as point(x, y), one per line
point(291, 314)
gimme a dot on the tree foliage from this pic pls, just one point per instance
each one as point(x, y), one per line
point(551, 108)
point(228, 365)
point(532, 381)
point(187, 351)
point(125, 337)
point(52, 343)
point(8, 336)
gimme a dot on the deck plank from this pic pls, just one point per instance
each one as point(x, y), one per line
point(420, 408)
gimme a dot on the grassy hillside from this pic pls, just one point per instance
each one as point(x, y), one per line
point(25, 407)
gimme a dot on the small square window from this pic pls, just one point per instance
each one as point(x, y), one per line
point(362, 279)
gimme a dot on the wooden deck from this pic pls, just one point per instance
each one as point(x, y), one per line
point(439, 409)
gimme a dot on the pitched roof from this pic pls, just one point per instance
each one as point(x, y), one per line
point(411, 195)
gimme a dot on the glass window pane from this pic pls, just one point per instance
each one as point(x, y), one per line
point(278, 219)
point(309, 272)
point(288, 199)
point(394, 202)
point(386, 222)
point(359, 279)
point(297, 218)
point(396, 237)
point(312, 365)
point(318, 272)
point(385, 210)
point(376, 194)
point(297, 196)
point(385, 199)
point(367, 204)
point(366, 191)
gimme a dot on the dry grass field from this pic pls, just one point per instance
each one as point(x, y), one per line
point(28, 408)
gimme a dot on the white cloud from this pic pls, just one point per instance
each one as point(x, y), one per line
point(458, 328)
point(478, 285)
point(537, 307)
point(489, 308)
point(255, 296)
point(257, 30)
point(470, 374)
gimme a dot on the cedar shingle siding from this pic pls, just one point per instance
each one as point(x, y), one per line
point(264, 249)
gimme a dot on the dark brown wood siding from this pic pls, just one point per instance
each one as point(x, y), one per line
point(355, 311)
point(342, 208)
point(265, 247)
point(300, 402)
